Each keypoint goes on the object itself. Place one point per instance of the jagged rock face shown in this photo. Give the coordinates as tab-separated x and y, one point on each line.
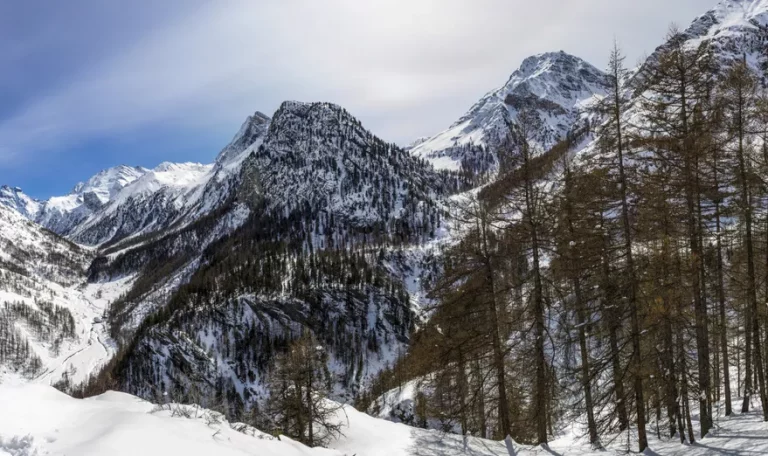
735	29
317	155
92	201
62	214
324	194
253	129
558	86
14	198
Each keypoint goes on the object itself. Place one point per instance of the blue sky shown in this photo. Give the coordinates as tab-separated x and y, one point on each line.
89	84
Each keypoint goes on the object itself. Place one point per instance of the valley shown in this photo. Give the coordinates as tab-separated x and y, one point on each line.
578	265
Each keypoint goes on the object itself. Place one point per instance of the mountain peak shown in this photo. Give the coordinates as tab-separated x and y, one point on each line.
555	84
302	108
107	183
15	198
252	130
545	60
729	17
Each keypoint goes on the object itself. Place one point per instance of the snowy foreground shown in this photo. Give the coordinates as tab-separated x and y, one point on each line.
39	420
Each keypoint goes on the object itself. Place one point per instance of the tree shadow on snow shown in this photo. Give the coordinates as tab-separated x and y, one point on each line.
435	443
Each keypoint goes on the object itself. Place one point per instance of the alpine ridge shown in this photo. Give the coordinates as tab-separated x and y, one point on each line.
465	283
559	86
326	201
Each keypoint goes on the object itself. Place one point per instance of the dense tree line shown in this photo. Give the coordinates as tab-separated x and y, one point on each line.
48	323
288	271
624	287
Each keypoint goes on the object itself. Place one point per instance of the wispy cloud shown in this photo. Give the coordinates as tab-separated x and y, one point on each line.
408	68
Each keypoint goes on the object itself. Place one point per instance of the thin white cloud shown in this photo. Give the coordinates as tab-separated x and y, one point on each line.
407	68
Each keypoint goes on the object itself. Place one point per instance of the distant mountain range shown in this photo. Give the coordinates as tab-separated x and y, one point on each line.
304	220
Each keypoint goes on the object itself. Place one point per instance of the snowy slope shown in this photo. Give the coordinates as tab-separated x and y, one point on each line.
38	420
46	306
557	85
63	213
127	201
16	199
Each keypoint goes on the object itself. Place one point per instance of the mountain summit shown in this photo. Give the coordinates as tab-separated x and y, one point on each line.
556	84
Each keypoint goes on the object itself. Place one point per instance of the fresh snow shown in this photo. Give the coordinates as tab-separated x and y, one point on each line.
140	200
39	420
91	347
559	84
15	198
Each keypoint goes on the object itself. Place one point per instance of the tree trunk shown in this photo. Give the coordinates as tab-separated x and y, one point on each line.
752	320
505	427
540	330
612	315
632	301
721	307
582	315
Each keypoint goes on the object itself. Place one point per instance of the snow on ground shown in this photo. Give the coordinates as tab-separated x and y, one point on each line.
39	420
93	348
738	435
367	436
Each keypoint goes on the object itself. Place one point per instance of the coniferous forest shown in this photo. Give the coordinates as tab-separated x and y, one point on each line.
623	288
580	260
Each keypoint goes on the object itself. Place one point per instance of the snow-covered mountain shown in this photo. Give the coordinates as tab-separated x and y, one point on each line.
325	199
317	154
50	318
294	225
62	214
734	27
556	85
149	203
14	198
126	201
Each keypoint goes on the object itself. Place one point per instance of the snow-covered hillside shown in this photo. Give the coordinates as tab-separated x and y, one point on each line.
303	222
557	85
39	420
336	197
51	321
125	201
